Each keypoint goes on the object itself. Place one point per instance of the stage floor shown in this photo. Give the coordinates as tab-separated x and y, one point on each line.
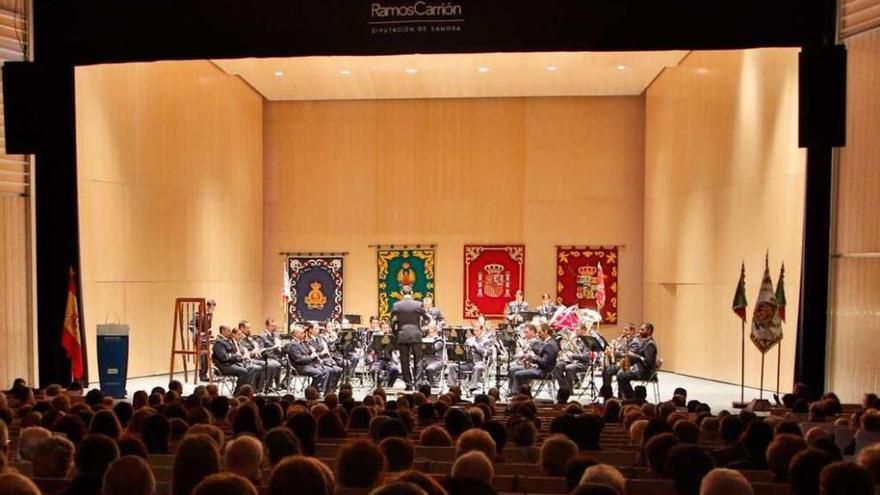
718	395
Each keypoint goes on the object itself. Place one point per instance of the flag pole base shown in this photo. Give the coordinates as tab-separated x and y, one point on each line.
759	405
739	405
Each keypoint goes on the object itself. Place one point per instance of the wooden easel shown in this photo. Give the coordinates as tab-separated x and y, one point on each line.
182	339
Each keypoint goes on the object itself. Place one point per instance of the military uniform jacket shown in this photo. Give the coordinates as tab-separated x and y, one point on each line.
299	353
480	348
407	318
546	311
435	314
514	307
547	355
224	354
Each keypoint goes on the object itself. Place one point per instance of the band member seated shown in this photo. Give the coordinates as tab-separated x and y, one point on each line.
194	325
432	362
541	366
305	359
346	354
270	369
248	362
271	343
229	362
319	342
480	345
433	312
616	352
546	308
514	309
386	362
574	357
407	318
529	350
643	361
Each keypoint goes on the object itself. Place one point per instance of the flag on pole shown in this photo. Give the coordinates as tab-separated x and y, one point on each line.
70	334
780	293
600	289
739	297
766	326
285	291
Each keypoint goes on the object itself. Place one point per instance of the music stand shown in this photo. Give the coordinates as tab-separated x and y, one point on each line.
384	342
428	349
592	343
528	316
353	319
457	335
458	353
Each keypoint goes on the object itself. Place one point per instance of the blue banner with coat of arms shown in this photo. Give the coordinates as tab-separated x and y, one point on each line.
315	284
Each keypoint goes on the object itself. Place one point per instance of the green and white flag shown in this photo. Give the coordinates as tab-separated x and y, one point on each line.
766	325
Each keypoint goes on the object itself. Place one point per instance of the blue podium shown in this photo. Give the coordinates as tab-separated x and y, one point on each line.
113	359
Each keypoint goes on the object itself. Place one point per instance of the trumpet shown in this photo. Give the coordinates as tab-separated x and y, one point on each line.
568	347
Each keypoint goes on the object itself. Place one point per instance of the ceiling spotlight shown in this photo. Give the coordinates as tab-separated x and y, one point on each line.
483	69
552	68
345	72
411	70
621	67
279	73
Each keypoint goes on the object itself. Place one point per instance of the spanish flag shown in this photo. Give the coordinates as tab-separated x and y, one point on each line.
70	334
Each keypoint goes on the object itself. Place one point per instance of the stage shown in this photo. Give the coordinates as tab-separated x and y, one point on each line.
718	395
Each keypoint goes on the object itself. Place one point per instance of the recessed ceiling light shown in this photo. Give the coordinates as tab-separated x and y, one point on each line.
552	68
621	67
484	69
411	70
345	72
279	73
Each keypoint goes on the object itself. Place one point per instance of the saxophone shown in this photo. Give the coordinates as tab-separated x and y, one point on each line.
624	363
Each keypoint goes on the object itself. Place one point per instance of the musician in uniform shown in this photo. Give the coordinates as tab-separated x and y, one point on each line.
319	342
530	348
619	346
432	362
574	358
433	312
407	318
305	359
546	309
480	345
271	342
643	361
514	308
248	361
229	362
385	362
545	362
270	369
194	325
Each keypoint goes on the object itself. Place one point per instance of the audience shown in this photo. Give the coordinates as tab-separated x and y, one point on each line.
869	457
225	484
804	469
845	478
244	457
604	474
556	452
361	465
129	475
53	458
781	451
16	484
196	458
688	464
93	457
721	481
307	474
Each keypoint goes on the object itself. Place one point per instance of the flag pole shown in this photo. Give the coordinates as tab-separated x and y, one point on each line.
742	367
761	396
778	365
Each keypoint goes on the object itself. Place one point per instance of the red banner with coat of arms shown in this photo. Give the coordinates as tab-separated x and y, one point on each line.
492	275
587	276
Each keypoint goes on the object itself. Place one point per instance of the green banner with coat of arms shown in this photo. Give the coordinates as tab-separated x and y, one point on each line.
403	266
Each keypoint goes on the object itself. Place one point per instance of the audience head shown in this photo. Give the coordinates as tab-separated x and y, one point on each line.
225	484
53	458
780	453
423	481
244	456
156	434
478	440
280	443
523	433
869	457
15	484
132	445
731	429
588	431
688	464
129	475
307	474
722	481
28	440
456	422
657	452
95	454
605	474
474	465
556	452
196	458
361	464
804	469
304	426
687	431
435	436
845	478
574	471
399	453
498	433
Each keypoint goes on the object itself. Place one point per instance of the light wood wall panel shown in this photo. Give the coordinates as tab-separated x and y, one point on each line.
724	182
854	342
171	199
16	339
340	176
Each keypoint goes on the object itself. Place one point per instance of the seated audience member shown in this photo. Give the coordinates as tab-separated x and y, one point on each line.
721	481
360	464
710	429
636	431
588	432
304	426
472	473
657	452
73	427
845	478
456	422
435	436
574	471
244	457
225	484
280	442
105	423
780	453
330	426
804	469
688	464
399	453
556	452
359	418
423	481
393	427
869	457
129	475
604	474
247	420
123	411
156	434
731	429
212	431
398	488
4	439
53	458
687	432
307	474
788	427
196	458
132	445
28	439
95	454
16	484
475	439
499	435
594	489
758	436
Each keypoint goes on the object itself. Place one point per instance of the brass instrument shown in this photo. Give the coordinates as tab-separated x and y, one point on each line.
624	363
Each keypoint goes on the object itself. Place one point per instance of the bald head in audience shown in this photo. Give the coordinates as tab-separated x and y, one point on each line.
129	475
845	478
474	465
722	481
53	458
28	440
605	474
244	456
869	458
225	484
16	484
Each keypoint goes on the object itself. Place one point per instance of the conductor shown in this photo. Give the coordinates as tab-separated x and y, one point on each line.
407	318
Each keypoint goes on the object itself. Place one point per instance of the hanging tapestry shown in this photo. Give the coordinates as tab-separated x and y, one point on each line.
587	276
492	275
403	266
315	284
